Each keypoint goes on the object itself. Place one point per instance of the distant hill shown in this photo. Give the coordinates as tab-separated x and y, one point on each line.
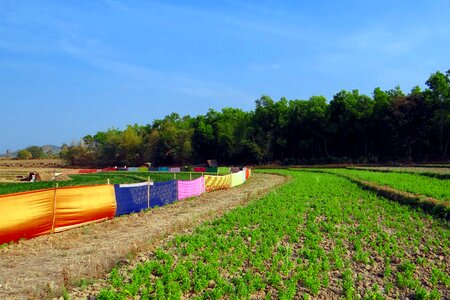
50	149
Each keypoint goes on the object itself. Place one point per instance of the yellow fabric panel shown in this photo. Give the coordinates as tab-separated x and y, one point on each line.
76	206
25	215
213	183
237	179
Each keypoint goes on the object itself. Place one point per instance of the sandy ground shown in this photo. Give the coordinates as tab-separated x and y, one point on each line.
40	267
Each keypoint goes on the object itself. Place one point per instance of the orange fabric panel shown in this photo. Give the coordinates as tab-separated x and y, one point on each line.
76	206
26	215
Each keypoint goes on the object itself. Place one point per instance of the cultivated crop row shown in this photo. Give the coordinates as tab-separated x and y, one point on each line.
319	235
413	183
442	172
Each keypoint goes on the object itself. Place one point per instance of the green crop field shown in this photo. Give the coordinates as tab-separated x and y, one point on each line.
412	183
319	235
442	172
92	179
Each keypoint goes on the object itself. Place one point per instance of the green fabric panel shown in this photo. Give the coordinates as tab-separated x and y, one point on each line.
224	170
211	170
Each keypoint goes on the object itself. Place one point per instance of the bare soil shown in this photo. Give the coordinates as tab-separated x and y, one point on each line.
10	168
41	267
6	163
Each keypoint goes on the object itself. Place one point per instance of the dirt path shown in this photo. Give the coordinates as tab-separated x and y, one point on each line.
40	267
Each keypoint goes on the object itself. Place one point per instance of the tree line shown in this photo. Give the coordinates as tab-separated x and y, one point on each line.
387	126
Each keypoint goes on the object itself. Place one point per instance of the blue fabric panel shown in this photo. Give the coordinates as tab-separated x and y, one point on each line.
153	169
164	169
131	197
163	193
132	169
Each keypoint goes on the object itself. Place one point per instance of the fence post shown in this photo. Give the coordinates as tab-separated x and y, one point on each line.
190	175
107	181
148	192
174	175
54	210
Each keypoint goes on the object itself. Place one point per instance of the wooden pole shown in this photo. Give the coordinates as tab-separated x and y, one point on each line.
54	210
148	192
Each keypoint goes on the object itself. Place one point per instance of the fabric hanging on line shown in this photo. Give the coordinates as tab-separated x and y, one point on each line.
224	170
213	183
153	169
131	197
163	169
235	169
190	188
26	215
211	169
132	169
87	171
109	169
200	169
142	169
237	179
76	206
163	193
174	170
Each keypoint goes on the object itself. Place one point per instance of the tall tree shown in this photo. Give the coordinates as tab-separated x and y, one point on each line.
439	97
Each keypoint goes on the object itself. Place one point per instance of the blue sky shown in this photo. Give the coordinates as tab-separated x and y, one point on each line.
71	68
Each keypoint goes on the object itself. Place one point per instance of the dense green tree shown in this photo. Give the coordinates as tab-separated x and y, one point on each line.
387	126
24	154
439	97
36	152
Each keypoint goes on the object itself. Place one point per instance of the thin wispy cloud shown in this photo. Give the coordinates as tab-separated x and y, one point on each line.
165	56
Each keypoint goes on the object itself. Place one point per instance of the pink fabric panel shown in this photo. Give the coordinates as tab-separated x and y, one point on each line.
190	188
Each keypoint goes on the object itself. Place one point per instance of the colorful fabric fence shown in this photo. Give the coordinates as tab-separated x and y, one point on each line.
29	214
109	169
163	193
190	188
223	170
87	171
200	169
26	215
132	169
213	183
76	206
163	169
143	169
237	179
174	170
132	197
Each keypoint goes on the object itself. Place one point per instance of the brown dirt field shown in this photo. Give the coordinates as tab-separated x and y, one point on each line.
41	267
10	168
6	163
